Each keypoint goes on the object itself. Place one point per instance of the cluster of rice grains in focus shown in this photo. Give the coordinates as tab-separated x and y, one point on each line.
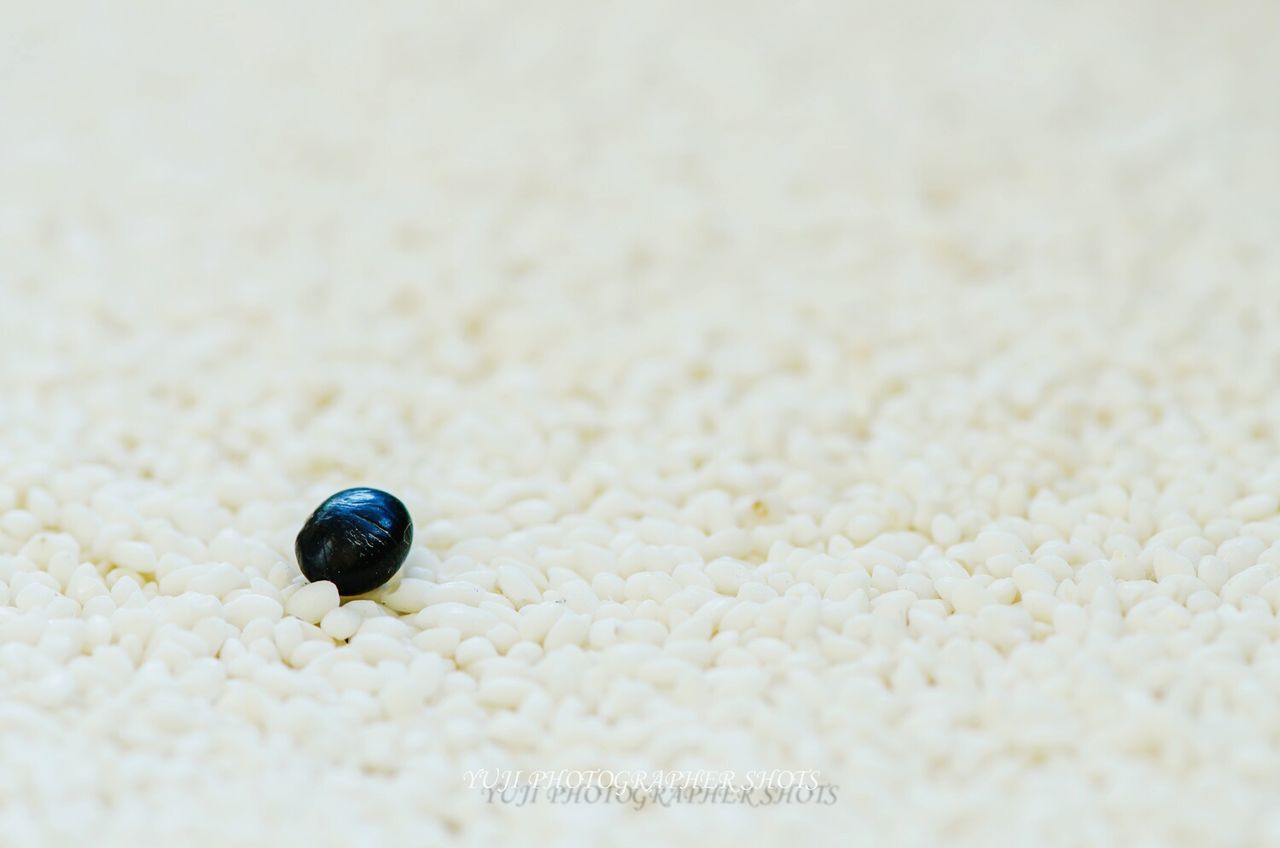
887	394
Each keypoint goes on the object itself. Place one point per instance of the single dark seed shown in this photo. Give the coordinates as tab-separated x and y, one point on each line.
358	539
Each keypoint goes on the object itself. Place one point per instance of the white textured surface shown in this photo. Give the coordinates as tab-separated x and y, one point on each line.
888	390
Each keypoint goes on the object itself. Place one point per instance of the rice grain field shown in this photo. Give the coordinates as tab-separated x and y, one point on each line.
879	392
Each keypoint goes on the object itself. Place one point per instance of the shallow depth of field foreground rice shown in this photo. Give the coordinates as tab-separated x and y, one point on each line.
882	390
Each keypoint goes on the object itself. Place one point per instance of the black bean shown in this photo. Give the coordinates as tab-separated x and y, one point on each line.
358	539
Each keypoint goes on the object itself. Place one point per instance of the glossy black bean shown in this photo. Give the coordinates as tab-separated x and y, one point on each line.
358	538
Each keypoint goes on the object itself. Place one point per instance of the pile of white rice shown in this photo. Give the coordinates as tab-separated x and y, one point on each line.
887	391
